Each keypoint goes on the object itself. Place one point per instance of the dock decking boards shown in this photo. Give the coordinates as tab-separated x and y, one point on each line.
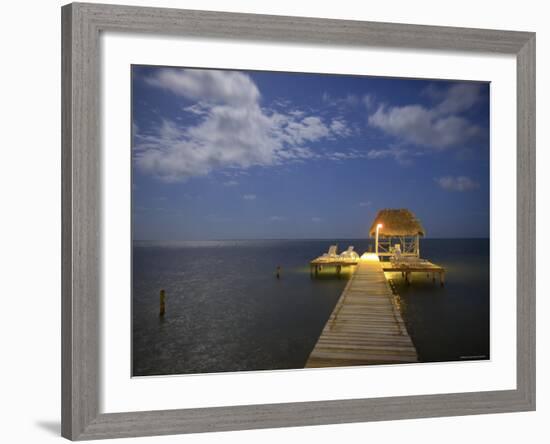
365	326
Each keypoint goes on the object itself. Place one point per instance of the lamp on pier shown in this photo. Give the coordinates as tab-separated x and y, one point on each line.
376	238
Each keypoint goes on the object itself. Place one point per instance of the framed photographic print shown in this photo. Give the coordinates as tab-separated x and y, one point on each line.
278	221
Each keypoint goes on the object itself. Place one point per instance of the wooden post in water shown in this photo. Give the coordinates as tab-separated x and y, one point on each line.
162	303
278	274
442	278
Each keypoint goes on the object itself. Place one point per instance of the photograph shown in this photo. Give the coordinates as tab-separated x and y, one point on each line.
286	221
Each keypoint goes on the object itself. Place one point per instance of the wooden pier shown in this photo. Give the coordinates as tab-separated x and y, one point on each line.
422	267
365	326
406	268
316	265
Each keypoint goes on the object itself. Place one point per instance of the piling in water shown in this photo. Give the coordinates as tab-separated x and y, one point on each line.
162	303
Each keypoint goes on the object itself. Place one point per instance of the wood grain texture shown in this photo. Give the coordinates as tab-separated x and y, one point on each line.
526	221
66	224
165	422
81	235
81	222
365	326
258	27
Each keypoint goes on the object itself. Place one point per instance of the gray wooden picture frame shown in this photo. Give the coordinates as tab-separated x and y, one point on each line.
81	172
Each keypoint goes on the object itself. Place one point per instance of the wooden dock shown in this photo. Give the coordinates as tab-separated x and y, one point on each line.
365	326
422	267
406	268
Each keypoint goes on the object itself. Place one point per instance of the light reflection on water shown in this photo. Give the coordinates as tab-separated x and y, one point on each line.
226	311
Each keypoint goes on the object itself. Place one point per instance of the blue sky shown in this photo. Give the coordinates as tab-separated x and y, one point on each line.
262	155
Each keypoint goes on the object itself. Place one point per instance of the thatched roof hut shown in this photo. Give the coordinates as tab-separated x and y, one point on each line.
397	222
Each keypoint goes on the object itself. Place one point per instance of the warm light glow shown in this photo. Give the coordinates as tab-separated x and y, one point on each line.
376	239
369	257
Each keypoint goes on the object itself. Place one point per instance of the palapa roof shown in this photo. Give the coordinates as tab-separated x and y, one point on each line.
397	222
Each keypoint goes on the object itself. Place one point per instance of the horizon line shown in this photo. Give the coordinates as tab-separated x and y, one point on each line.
296	239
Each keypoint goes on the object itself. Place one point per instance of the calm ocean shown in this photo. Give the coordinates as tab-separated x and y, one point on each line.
226	311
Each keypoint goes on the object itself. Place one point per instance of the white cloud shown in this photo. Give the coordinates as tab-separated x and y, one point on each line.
368	101
365	204
198	108
233	131
231	183
296	113
338	155
346	101
420	126
277	218
308	129
400	155
437	128
380	154
459	98
349	154
207	85
249	196
340	128
316	219
459	183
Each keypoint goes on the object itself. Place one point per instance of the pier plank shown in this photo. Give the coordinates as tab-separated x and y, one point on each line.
365	326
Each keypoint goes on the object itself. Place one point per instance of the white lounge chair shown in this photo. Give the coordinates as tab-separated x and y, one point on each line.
398	258
332	252
349	254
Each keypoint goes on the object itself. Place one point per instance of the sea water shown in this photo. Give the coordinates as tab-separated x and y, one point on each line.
227	311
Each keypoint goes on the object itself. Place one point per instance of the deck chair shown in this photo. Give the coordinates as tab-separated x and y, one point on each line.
349	253
332	252
398	258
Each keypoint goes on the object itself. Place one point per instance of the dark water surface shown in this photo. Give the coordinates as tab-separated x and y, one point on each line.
226	311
